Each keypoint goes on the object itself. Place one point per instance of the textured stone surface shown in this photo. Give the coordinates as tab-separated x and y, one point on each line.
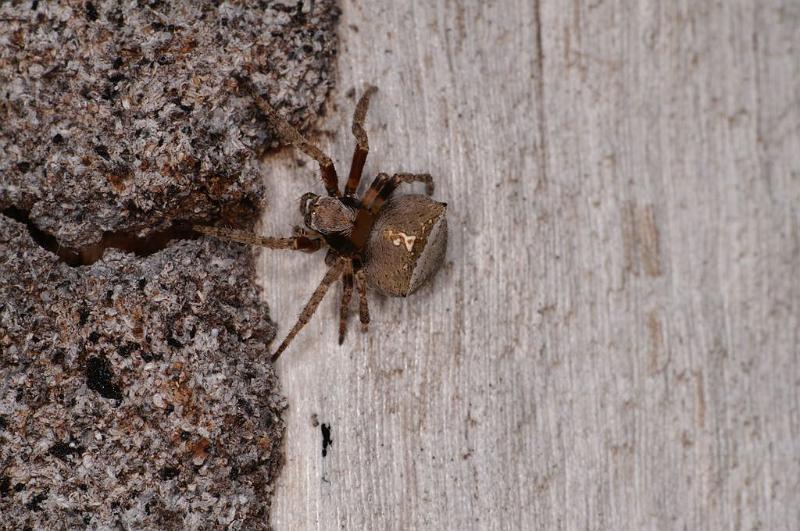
134	391
121	117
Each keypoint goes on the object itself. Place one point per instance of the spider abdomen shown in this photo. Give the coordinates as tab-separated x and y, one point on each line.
406	245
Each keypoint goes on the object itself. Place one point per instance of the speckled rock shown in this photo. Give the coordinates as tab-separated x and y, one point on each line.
135	387
122	116
134	392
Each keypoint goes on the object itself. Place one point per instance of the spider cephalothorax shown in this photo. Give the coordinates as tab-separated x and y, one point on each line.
391	243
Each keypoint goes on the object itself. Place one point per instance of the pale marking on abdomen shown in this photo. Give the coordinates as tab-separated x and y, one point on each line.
401	238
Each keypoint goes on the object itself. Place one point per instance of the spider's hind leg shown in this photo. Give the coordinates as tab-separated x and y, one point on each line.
347	294
362	142
363	307
299	242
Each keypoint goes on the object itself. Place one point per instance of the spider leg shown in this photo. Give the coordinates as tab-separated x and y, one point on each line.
347	294
362	143
296	243
291	135
383	186
378	192
416	178
363	309
330	277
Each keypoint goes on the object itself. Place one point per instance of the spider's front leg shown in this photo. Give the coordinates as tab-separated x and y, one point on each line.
291	135
362	143
299	242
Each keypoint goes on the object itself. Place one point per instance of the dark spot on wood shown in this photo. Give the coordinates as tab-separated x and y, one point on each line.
327	440
100	378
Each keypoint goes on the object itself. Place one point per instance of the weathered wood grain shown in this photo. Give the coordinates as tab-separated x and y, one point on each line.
614	341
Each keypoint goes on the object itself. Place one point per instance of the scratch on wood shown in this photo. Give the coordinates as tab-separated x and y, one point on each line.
701	398
640	240
656	342
541	143
647	232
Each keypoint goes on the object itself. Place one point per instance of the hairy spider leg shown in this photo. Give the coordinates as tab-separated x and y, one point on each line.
416	178
291	135
296	243
362	142
330	277
347	294
363	308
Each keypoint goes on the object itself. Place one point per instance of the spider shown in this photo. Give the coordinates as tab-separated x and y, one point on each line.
393	244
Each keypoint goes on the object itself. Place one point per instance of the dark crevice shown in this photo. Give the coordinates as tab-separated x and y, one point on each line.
89	254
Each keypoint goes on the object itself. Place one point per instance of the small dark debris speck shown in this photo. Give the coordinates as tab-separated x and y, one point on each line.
63	450
126	348
168	472
5	486
91	11
58	139
171	341
102	151
245	405
94	337
58	356
83	315
99	378
36	501
327	440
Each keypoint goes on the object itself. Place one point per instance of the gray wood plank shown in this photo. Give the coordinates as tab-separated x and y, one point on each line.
613	342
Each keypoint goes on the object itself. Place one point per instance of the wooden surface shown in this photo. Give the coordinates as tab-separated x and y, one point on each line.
613	343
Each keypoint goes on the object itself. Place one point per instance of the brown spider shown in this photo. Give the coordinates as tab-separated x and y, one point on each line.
391	243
